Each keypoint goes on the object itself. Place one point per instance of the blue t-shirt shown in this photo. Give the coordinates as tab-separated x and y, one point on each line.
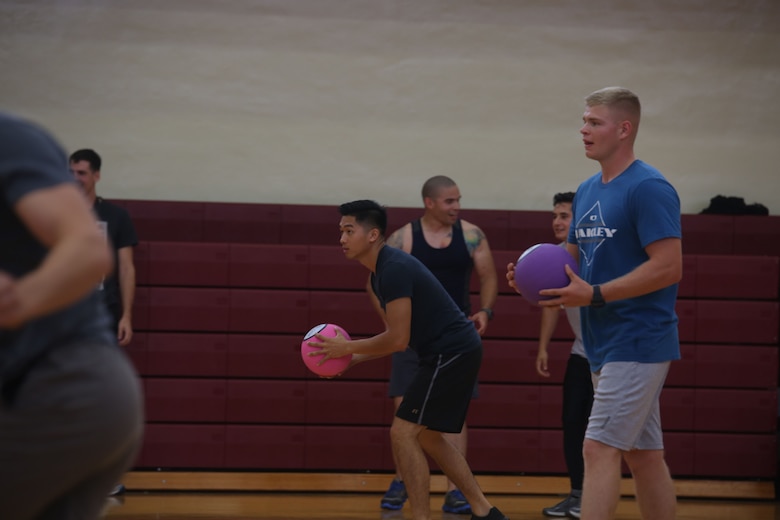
612	225
438	325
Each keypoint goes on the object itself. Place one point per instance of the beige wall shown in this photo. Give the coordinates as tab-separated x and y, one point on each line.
322	101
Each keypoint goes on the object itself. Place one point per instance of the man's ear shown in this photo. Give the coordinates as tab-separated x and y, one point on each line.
625	128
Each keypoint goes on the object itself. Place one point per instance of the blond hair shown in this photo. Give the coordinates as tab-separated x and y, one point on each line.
617	98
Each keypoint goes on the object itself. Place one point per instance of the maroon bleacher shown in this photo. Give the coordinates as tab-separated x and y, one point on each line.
264	445
186	354
182	400
226	291
183	446
259	401
180	263
348	447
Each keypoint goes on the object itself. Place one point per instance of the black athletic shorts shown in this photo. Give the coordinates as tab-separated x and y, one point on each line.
404	366
439	395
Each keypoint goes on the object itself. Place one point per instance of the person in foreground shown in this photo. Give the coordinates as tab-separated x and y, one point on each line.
450	248
70	403
577	384
627	237
420	314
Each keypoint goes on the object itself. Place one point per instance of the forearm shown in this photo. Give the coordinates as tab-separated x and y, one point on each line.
547	326
360	358
488	291
73	268
381	345
127	289
648	277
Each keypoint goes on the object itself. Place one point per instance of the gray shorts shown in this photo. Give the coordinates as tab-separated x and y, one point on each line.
626	413
70	432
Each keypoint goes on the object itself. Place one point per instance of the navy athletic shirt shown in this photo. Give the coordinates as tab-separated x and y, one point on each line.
438	325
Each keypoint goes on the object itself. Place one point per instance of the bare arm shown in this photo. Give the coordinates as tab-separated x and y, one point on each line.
395	338
573	251
127	291
547	327
478	246
78	257
401	238
662	269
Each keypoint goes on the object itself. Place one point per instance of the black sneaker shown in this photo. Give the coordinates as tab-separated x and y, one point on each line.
395	497
494	514
564	507
455	502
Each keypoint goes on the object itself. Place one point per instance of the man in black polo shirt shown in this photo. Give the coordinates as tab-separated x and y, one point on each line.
118	287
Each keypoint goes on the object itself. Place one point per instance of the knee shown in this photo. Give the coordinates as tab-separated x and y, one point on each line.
644	460
589	449
401	431
593	451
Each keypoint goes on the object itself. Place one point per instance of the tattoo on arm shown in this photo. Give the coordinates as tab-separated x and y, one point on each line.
474	238
396	240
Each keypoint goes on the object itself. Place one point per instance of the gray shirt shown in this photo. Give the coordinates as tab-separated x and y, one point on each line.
31	160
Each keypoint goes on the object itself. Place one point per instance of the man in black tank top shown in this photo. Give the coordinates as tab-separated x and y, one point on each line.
451	249
452	265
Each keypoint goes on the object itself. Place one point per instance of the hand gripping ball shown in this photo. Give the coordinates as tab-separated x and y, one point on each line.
331	367
542	267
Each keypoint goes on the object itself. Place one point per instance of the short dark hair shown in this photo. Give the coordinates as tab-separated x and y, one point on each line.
433	185
89	155
566	196
367	213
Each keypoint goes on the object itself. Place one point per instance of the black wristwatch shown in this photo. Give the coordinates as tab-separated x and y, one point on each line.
598	299
487	311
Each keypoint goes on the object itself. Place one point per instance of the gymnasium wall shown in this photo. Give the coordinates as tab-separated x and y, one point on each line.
320	101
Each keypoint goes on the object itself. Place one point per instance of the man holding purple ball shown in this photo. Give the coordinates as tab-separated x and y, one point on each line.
626	234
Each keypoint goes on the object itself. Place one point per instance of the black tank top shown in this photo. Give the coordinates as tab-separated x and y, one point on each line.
452	265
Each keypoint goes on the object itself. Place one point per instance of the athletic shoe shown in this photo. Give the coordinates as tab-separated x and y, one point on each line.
564	507
494	514
455	502
395	497
574	512
119	489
